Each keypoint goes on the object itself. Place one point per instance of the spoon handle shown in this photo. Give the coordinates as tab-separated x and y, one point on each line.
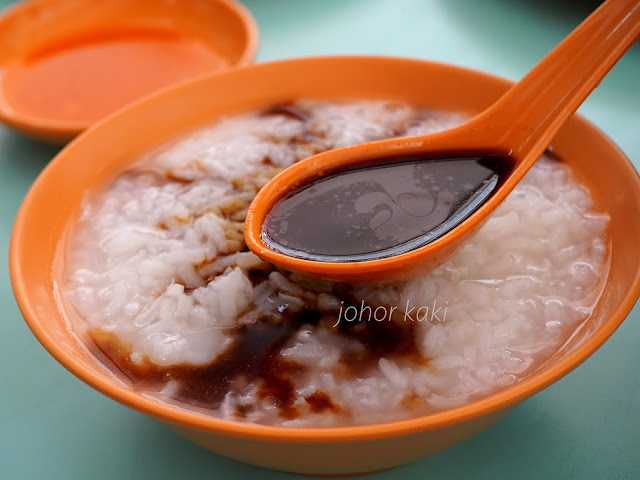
527	117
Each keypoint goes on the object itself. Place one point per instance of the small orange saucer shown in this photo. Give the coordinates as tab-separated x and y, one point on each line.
65	64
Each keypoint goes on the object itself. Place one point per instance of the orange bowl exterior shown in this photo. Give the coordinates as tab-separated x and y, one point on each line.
30	26
91	160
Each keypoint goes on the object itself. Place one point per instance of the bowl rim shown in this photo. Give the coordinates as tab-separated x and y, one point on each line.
377	431
61	131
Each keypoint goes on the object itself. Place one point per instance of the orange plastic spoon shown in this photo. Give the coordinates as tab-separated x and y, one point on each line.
519	126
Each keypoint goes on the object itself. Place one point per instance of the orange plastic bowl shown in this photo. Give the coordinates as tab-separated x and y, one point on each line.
96	156
65	64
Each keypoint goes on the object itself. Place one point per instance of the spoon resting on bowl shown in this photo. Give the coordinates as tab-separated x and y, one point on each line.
426	195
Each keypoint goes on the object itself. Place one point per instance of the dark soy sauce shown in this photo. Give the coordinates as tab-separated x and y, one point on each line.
254	356
382	210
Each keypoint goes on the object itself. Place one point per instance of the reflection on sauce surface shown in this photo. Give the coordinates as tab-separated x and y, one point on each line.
381	210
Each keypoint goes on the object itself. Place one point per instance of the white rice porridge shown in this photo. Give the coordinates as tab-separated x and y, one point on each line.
176	305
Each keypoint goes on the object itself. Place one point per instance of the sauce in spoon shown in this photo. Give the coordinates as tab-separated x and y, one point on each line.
380	210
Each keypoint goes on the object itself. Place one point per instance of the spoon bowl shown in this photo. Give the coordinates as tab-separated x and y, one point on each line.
519	126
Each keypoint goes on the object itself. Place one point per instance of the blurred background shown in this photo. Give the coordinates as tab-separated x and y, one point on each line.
53	426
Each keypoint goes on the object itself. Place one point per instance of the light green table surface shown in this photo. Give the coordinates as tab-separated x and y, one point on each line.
586	426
